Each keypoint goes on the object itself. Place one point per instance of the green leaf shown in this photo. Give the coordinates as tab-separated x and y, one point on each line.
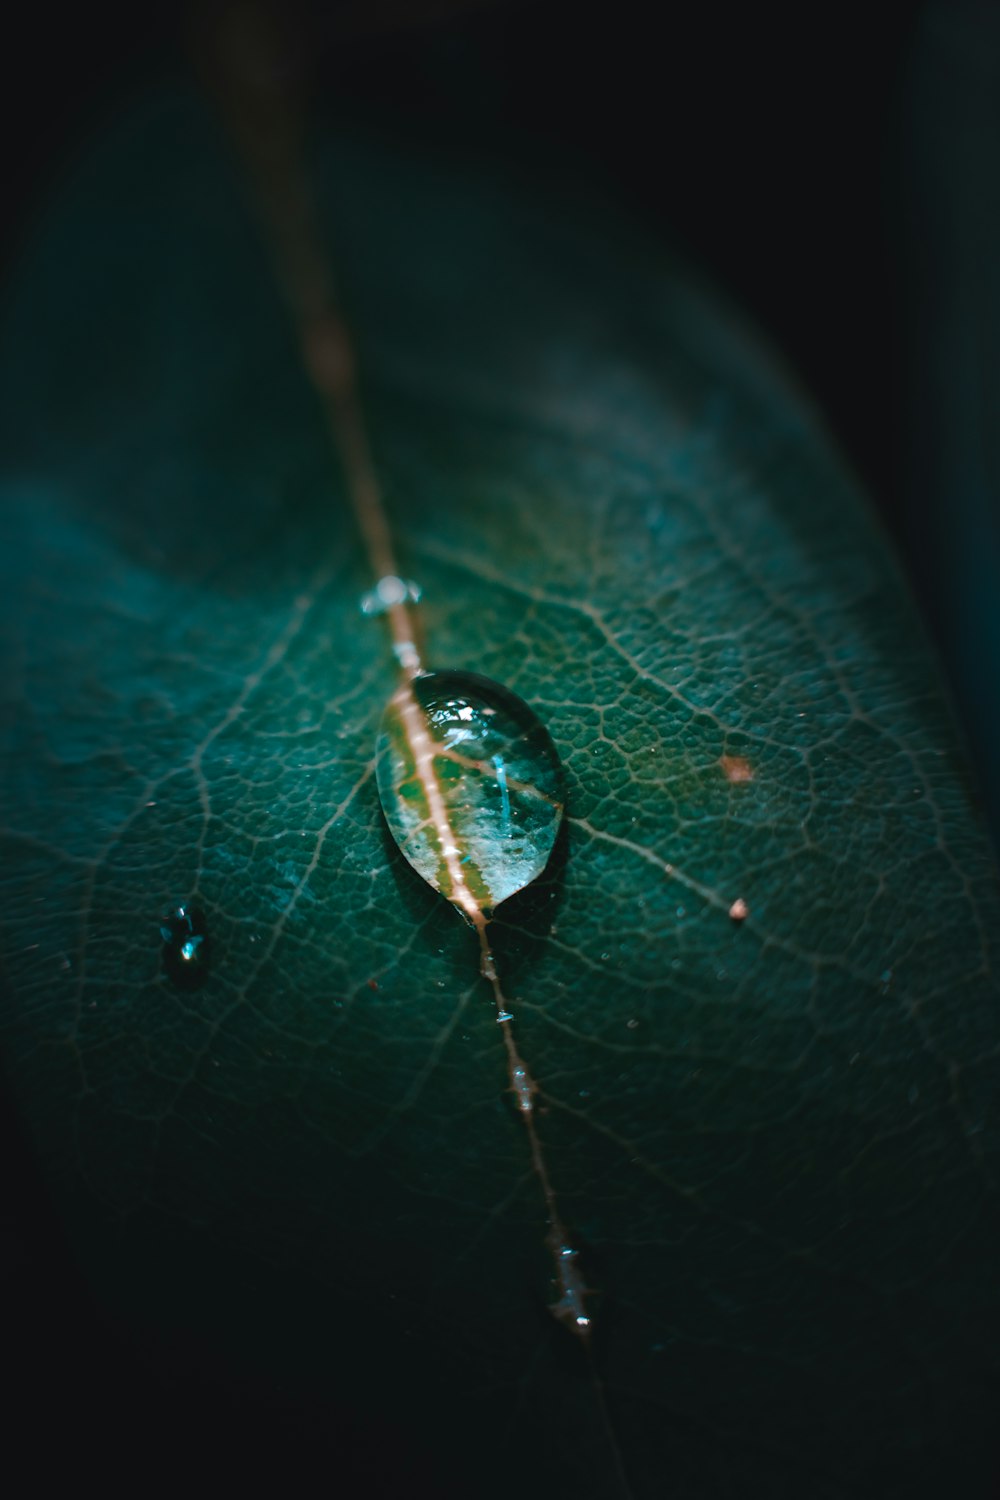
776	1137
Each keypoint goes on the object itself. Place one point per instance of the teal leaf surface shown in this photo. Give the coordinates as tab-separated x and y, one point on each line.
775	1137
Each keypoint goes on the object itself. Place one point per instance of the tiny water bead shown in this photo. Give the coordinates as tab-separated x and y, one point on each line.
186	946
572	1293
487	799
388	591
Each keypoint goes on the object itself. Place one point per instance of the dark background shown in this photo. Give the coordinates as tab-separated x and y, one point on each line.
765	142
834	168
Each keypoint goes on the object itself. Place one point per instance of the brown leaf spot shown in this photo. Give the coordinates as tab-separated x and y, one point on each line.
736	768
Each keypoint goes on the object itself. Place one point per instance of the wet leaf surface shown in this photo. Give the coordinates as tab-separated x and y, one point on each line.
776	1137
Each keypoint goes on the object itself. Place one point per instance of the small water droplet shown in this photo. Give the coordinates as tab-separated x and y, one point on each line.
186	946
681	911
471	786
632	1024
523	1088
388	591
407	655
572	1292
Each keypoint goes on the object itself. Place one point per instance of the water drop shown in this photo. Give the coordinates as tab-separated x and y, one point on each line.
471	786
569	1306
389	591
186	946
523	1087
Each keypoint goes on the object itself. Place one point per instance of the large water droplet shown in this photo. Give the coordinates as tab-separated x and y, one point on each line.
185	946
471	786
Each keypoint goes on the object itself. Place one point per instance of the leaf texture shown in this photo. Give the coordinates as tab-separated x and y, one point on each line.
776	1137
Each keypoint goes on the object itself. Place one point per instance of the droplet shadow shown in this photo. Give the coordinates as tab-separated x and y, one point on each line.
522	922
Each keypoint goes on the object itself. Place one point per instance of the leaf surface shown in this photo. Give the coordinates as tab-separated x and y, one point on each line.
776	1137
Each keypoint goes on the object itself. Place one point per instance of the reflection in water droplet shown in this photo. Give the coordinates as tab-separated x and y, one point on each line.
494	775
186	946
